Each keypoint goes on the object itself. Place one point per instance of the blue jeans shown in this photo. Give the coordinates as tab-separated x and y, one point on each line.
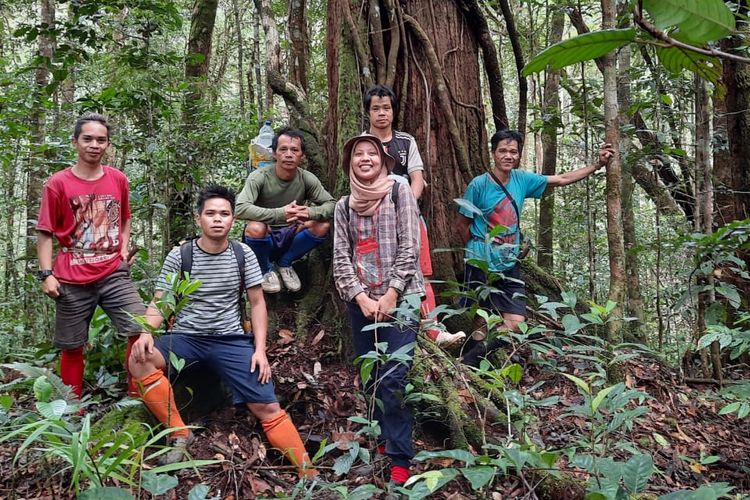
389	380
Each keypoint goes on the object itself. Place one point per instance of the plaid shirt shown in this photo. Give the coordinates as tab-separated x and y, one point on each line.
397	237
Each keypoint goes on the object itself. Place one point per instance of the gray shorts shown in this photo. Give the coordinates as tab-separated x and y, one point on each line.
76	304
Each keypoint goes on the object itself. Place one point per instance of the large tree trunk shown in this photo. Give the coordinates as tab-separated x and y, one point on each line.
551	112
180	214
617	281
443	109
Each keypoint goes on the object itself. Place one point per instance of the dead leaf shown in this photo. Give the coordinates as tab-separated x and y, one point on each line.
697	468
629	381
317	368
343	439
318	337
285	337
234	441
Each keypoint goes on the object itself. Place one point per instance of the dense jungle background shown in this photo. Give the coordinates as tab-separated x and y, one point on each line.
630	379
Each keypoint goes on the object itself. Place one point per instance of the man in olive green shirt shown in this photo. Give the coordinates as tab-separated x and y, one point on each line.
288	212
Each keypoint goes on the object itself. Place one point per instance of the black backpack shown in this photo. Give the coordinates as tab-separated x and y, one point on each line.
186	266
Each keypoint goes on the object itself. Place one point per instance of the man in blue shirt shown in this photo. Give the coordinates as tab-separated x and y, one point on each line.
496	199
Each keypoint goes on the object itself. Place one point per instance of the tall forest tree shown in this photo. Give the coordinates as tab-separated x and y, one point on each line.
197	64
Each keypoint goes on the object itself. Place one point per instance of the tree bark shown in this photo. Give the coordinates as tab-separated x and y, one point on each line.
299	56
551	114
491	62
240	56
198	60
518	58
37	171
617	281
635	308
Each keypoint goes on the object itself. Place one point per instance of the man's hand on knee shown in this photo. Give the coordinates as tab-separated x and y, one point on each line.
142	348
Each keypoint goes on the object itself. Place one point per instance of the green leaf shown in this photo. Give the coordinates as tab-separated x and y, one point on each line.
708	492
700	21
461	455
744	410
343	464
731	293
108	492
730	408
468	206
569	299
571	324
600	397
579	382
478	476
52	410
434	479
364	492
198	492
176	362
636	472
660	440
157	484
42	389
676	59
581	48
514	372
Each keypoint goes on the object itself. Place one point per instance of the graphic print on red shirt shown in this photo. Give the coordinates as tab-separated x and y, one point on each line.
97	221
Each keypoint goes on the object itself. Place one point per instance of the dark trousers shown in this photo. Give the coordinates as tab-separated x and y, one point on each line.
389	381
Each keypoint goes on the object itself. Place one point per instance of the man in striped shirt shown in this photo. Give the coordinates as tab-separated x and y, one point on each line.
209	329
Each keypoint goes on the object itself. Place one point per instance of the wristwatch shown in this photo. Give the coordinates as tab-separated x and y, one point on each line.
43	274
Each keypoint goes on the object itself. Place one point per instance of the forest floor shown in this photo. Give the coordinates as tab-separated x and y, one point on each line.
690	442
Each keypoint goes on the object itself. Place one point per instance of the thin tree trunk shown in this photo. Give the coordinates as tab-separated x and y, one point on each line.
635	307
299	56
240	56
491	62
273	48
545	235
180	213
518	58
617	281
334	23
37	171
256	64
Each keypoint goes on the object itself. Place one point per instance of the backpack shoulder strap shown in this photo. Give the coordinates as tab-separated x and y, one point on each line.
346	207
186	258
394	194
239	254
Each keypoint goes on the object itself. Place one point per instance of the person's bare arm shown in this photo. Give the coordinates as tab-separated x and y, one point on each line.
606	152
259	318
416	182
463	224
50	286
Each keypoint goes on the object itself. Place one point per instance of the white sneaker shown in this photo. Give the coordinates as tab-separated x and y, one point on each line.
271	282
290	279
447	339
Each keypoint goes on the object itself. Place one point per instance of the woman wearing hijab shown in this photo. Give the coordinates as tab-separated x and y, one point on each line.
375	266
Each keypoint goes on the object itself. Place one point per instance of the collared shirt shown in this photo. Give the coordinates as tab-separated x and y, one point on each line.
397	238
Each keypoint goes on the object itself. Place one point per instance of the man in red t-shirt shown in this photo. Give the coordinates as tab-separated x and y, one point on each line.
86	208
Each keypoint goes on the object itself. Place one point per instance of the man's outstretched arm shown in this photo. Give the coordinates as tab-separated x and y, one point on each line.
606	152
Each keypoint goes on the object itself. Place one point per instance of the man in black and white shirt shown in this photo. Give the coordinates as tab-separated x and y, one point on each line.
380	104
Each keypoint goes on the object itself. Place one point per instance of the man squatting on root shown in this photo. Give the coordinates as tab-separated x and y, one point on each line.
209	329
281	227
86	208
499	194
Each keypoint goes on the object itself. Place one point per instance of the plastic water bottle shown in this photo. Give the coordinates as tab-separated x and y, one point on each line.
260	147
